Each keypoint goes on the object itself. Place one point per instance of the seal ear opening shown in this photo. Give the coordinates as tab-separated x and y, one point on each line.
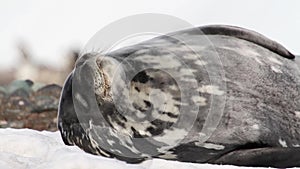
66	111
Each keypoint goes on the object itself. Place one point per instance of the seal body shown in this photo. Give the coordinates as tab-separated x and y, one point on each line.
214	94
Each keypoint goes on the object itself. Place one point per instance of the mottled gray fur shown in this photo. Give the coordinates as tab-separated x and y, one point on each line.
261	84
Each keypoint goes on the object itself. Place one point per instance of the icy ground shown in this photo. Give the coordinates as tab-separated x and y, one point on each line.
30	149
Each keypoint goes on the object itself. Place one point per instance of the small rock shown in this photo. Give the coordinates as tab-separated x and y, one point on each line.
24	104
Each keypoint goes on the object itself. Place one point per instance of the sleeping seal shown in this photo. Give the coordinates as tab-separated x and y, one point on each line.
214	94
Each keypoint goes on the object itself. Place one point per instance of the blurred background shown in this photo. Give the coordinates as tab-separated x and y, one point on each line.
40	42
41	36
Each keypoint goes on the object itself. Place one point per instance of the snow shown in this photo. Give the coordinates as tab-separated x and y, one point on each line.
31	149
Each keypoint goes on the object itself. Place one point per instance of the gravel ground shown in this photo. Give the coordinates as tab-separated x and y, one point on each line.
24	104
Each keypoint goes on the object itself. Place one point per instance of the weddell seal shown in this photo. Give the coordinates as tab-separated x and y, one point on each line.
214	94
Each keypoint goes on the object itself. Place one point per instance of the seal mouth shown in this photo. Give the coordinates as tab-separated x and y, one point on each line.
102	82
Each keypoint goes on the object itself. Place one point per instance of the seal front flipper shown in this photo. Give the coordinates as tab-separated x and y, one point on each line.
68	123
262	157
66	111
247	35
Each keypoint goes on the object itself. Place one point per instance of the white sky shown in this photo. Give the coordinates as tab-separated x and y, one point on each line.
51	27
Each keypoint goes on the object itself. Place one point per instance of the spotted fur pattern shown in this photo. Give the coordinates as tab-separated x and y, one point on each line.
140	111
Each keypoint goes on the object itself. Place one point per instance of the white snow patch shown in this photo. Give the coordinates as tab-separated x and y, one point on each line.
30	149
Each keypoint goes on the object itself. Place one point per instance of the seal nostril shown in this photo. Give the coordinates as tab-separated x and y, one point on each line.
137	89
148	104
